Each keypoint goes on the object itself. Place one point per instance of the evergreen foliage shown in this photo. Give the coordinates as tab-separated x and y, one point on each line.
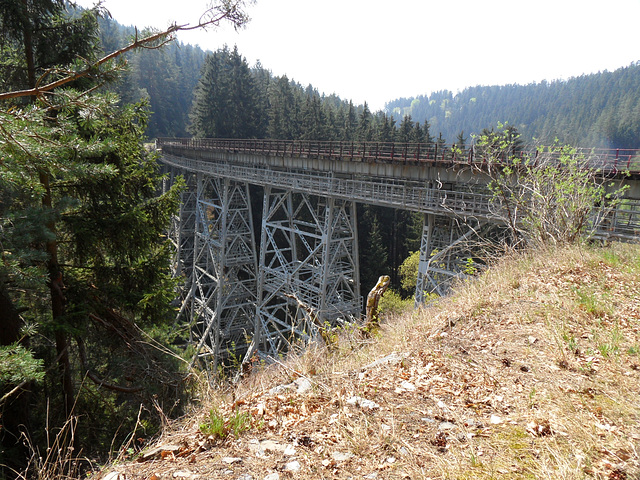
95	268
227	99
85	288
595	110
166	78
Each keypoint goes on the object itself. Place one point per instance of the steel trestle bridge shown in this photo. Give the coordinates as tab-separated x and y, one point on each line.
244	295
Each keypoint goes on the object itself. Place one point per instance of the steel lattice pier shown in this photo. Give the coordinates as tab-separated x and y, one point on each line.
240	300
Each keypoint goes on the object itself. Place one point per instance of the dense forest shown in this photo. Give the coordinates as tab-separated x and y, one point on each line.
165	77
596	110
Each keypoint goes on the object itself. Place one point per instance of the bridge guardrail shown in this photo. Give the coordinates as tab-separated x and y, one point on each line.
610	161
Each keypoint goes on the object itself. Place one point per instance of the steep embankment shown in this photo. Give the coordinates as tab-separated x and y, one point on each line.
530	371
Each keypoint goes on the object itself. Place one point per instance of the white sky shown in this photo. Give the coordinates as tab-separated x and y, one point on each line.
377	51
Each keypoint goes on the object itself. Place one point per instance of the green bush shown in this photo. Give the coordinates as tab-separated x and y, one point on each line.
392	303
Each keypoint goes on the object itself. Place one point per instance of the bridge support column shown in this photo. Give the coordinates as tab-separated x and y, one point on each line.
224	271
446	253
308	273
181	234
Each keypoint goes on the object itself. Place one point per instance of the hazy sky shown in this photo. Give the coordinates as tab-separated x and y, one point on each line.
375	51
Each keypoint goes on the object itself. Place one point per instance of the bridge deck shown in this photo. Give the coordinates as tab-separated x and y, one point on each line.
609	161
426	179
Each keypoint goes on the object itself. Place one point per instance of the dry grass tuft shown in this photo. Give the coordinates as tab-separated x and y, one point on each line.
530	371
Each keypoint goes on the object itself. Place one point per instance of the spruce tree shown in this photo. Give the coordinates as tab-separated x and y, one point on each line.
282	111
351	124
404	134
373	259
386	130
365	128
227	100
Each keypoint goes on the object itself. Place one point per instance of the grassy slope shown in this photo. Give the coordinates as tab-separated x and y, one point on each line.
530	371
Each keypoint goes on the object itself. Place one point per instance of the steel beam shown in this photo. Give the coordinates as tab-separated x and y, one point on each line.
223	289
181	235
446	253
308	271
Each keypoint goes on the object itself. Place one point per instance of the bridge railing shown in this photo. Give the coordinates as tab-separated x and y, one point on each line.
607	160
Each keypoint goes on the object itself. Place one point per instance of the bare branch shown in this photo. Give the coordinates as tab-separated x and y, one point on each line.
229	10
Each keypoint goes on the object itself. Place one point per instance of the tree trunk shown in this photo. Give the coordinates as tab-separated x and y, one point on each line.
56	287
28	50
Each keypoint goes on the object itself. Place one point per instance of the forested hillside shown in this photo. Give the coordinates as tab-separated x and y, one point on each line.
599	110
166	77
89	348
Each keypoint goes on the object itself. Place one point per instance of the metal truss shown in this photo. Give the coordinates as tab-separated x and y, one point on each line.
308	274
181	234
223	291
446	253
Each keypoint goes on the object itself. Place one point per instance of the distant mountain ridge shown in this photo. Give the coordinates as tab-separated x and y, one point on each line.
598	110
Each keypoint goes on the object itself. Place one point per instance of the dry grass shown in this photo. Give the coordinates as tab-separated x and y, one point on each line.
530	371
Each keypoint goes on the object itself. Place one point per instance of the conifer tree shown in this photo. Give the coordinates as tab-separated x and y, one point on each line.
417	134
227	100
461	141
365	120
351	124
426	133
262	80
373	259
386	130
314	121
405	130
282	111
